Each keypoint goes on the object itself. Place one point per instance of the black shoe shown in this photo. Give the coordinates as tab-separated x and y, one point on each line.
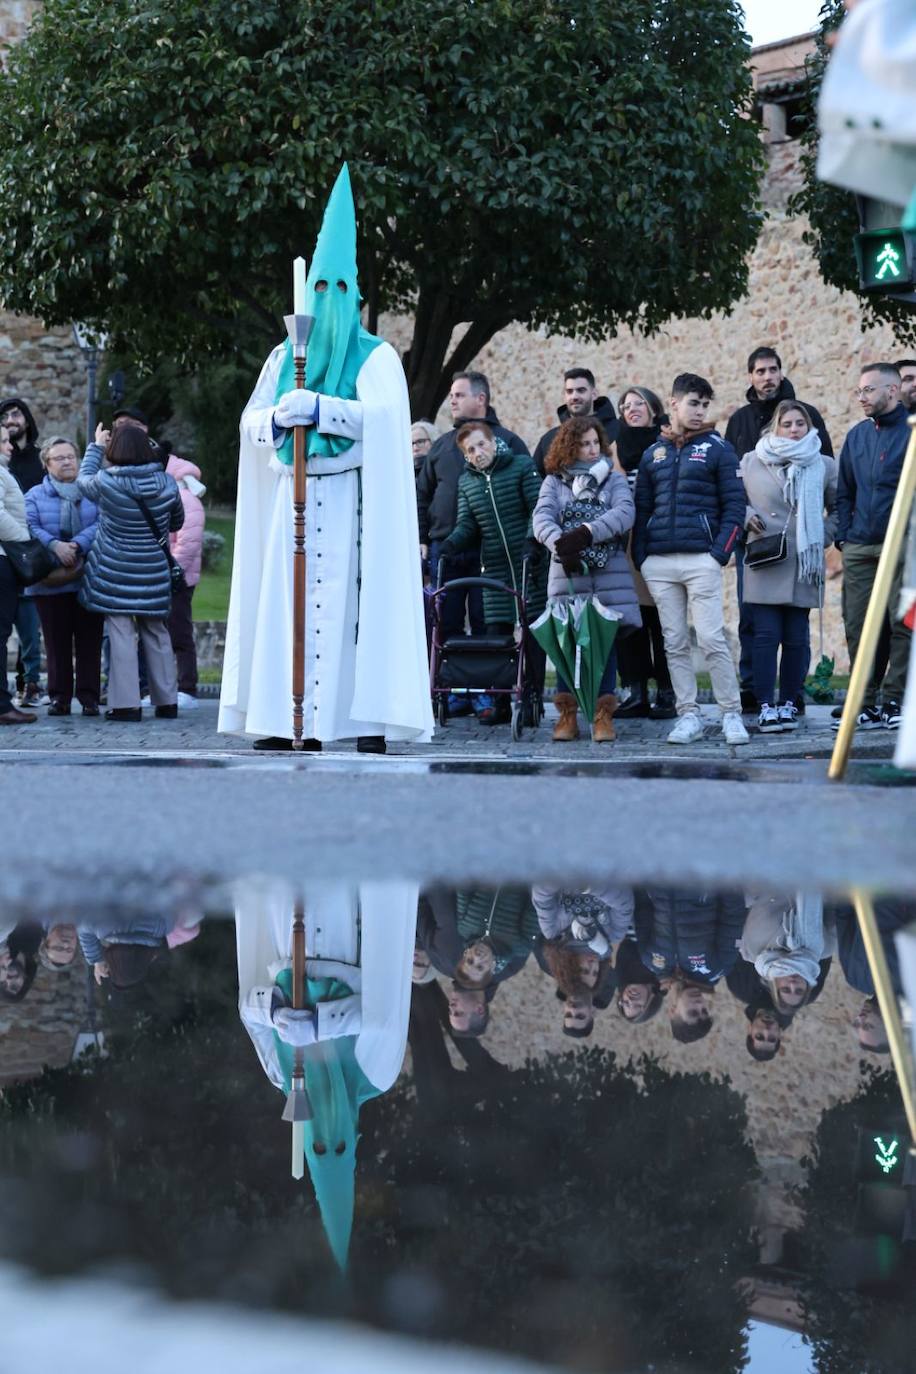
167	712
836	712
277	744
665	707
124	713
749	703
890	715
636	704
869	718
799	704
371	744
91	711
59	708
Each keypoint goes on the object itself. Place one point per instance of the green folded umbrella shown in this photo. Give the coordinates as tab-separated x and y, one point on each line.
577	633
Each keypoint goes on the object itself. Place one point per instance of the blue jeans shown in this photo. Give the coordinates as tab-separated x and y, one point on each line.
745	626
775	626
608	680
29	638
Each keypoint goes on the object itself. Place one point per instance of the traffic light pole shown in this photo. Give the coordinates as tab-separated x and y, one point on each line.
887	1004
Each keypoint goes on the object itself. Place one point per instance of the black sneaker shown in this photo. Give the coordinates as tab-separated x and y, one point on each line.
836	712
890	715
749	703
869	718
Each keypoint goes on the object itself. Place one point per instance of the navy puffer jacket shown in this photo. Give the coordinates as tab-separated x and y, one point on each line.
126	570
694	932
689	498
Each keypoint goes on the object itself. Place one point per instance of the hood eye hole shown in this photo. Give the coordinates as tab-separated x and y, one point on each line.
342	286
321	286
339	1149
319	1148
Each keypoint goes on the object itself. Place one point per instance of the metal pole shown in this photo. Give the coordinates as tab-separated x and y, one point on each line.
92	361
887	1003
877	607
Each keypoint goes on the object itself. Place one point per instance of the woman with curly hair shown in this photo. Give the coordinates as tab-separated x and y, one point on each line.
583	514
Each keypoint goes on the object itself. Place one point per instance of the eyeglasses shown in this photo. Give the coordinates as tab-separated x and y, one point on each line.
863	391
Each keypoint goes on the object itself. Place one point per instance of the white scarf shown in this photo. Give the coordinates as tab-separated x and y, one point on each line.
798	466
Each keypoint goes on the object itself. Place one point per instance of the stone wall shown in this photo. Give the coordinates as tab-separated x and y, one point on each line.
41	1030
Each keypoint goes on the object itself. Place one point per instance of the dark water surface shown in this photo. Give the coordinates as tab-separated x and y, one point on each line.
603	1128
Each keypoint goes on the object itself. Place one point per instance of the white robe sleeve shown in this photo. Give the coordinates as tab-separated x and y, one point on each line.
344	418
341	1017
257	417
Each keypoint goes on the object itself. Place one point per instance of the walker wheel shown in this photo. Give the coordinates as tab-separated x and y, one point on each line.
442	710
516	721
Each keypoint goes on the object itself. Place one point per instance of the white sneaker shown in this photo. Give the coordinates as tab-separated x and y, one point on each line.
769	722
788	716
186	701
688	729
146	701
733	729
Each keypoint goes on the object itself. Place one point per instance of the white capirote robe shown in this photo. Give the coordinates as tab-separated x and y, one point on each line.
360	933
366	665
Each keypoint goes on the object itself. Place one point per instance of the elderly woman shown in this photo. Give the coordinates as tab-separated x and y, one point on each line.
65	521
128	578
13	530
584	512
422	437
791	496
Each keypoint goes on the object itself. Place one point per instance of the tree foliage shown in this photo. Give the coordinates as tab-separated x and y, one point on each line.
831	210
572	166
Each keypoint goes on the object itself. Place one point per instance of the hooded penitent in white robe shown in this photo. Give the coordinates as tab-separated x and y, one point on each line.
366	666
362	934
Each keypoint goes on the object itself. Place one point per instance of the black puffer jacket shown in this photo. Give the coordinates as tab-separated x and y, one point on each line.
25	464
437	482
694	932
603	411
748	423
871	461
689	498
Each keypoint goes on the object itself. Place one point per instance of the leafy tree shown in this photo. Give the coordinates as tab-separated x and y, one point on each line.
831	210
571	166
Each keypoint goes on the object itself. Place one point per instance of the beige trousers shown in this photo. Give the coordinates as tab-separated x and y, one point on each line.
123	670
682	581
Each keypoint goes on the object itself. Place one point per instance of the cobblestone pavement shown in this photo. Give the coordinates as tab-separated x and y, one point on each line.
195	731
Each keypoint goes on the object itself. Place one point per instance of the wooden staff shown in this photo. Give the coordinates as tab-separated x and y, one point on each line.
298	1108
863	667
299	497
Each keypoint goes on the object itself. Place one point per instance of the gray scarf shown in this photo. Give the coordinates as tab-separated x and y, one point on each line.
797	464
70	518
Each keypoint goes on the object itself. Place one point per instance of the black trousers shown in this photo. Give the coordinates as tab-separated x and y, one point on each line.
70	630
9	600
641	655
181	633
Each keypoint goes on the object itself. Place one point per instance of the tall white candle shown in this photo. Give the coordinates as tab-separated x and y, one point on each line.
298	286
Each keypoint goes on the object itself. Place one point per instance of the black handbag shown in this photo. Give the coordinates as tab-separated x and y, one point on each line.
176	571
772	548
30	561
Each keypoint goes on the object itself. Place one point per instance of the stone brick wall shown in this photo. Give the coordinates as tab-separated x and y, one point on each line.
41	1030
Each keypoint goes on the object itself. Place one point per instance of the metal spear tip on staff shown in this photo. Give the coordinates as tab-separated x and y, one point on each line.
298	1108
299	327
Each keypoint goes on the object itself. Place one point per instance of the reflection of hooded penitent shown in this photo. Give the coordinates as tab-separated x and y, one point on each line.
365	641
359	951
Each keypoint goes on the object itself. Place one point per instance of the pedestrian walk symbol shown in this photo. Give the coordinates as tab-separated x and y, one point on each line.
886	1156
887	261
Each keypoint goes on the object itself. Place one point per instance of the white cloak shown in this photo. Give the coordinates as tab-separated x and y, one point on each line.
363	934
360	574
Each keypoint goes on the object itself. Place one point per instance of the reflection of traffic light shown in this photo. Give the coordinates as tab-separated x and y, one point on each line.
873	1255
885	253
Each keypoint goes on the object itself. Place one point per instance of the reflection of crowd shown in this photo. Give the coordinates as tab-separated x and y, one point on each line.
651	948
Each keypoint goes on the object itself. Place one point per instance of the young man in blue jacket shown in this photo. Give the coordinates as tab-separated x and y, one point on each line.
690	509
871	462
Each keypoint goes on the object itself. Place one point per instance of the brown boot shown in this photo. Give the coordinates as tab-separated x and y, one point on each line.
603	731
567	727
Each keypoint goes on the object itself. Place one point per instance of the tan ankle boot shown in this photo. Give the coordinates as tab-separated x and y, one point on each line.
567	727
603	731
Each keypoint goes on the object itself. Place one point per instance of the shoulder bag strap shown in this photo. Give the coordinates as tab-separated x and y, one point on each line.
161	538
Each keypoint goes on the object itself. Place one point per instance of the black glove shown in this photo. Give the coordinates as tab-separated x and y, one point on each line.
572	566
534	552
574	541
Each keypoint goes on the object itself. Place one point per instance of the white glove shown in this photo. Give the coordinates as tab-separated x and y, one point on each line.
296	408
295	1027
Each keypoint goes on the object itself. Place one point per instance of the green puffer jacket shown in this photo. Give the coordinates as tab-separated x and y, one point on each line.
505	919
494	512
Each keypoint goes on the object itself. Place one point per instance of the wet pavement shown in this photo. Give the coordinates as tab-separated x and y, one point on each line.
588	1126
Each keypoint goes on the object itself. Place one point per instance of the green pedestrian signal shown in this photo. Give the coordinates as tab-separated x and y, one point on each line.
887	260
886	1156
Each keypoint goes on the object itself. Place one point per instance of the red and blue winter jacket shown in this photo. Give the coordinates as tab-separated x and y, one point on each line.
689	498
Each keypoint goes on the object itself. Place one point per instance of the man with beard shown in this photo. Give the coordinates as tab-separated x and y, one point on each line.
580	397
767	388
907	369
25	465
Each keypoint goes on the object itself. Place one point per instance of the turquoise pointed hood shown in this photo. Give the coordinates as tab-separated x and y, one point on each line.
338	345
337	1087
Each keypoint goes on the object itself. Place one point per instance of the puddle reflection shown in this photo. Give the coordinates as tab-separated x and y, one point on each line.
610	1127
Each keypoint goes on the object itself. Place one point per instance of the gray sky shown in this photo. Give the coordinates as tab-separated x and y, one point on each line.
770	20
